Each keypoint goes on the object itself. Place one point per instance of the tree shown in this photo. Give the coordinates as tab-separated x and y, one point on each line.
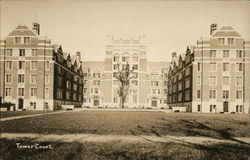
124	76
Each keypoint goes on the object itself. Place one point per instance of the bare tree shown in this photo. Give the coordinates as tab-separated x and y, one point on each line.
124	77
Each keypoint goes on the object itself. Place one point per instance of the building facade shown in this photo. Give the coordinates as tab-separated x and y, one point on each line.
212	77
148	83
33	72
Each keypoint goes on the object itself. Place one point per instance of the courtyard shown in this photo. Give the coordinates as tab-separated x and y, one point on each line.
128	135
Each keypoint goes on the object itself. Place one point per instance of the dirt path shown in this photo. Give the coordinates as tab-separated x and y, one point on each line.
121	138
26	116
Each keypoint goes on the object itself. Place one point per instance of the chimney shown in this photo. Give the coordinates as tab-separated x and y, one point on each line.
36	28
78	56
174	56
213	27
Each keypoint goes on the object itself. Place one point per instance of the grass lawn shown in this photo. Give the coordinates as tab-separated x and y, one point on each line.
117	150
222	126
19	113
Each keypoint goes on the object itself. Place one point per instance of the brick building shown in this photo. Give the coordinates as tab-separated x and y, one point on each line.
148	85
34	72
212	77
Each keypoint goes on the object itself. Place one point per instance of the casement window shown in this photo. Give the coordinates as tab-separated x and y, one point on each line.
8	91
8	78
17	40
212	53
33	65
225	67
198	66
198	80
97	82
239	81
225	80
213	66
187	95
135	66
239	67
21	64
154	83
212	94
26	40
116	58
21	92
34	52
33	92
33	78
239	53
47	65
225	53
239	94
198	94
135	58
225	94
213	80
47	92
8	64
20	78
230	41
221	41
9	52
21	52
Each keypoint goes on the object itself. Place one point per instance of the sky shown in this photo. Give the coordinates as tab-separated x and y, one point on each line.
169	26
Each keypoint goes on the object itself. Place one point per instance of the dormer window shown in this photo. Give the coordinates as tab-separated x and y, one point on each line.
221	40
26	40
18	40
230	40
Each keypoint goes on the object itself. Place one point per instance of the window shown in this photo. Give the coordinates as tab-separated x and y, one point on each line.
198	80
187	83
187	95
135	58
239	81
135	66
21	64
68	84
33	78
225	94
47	65
33	64
21	52
33	92
187	71
26	40
20	78
230	40
135	75
239	67
238	94
199	66
159	91
213	66
225	80
221	40
96	90
179	97
165	91
20	91
198	94
225	67
165	83
8	78
9	52
18	40
198	108
97	75
59	94
34	52
85	90
8	65
212	94
46	79
47	92
179	86
115	66
225	53
125	59
116	59
212	80
154	83
96	82
8	91
212	53
239	54
239	108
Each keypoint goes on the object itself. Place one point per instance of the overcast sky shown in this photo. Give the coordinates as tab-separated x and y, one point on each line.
83	25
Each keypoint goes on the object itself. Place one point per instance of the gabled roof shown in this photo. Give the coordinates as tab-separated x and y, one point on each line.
22	31
226	31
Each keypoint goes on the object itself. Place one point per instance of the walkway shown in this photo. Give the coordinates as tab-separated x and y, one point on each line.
121	138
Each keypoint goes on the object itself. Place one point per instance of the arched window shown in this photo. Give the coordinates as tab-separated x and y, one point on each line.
125	57
116	58
135	58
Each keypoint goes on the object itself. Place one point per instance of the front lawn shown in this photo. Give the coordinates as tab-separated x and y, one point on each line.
133	123
6	114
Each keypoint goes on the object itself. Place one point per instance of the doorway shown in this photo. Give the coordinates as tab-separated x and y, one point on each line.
96	102
225	106
20	103
154	103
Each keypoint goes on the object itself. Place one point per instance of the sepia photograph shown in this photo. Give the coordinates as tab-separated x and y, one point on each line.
124	79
